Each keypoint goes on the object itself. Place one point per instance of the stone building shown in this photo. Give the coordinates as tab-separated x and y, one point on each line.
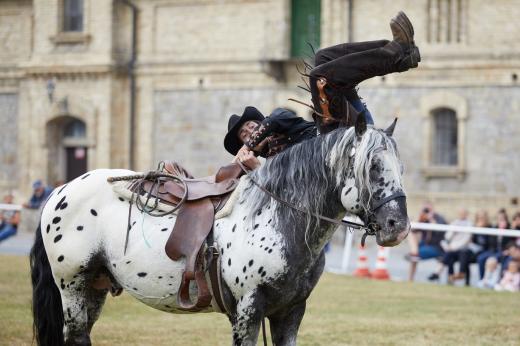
86	84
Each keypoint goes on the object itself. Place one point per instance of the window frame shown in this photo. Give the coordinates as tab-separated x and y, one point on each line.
63	14
429	105
63	37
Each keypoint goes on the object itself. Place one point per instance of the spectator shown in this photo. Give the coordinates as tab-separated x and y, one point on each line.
511	279
9	220
40	194
425	244
516	225
454	244
492	275
495	245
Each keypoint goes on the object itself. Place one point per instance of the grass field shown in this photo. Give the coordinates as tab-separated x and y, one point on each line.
341	311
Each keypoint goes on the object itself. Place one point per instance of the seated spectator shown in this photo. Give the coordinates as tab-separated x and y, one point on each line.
40	194
494	246
9	220
425	244
511	279
492	275
454	244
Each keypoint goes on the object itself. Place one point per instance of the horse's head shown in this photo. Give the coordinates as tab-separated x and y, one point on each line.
373	188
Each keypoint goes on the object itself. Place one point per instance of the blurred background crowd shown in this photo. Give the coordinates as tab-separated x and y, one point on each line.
497	256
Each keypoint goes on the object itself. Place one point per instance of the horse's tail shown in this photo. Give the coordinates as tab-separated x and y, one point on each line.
46	303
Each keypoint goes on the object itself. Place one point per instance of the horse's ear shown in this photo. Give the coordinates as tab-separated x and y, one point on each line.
390	130
361	124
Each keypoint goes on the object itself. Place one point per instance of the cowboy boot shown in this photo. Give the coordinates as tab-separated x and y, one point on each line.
403	32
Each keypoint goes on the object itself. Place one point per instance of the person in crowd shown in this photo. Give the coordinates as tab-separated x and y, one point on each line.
511	279
40	194
515	224
492	274
454	244
9	220
425	244
495	245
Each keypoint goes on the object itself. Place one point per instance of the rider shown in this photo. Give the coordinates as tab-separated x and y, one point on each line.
339	69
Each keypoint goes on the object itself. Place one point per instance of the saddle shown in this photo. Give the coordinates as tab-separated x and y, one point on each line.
200	199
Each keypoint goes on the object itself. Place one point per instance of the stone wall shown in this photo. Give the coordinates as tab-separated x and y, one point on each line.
490	149
189	126
8	141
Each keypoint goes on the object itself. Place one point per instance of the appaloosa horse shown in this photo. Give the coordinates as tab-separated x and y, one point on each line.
271	254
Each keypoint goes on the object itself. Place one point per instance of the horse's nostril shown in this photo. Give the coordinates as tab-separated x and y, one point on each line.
391	223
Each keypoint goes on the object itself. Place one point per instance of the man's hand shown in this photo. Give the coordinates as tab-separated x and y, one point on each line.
248	158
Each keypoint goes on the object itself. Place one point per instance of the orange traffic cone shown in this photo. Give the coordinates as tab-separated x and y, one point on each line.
362	264
381	271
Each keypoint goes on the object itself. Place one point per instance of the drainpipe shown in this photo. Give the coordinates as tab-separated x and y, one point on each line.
350	17
131	76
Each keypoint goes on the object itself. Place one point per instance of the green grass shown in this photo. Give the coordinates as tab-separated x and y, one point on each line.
341	311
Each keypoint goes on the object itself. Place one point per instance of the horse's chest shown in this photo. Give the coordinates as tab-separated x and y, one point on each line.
252	254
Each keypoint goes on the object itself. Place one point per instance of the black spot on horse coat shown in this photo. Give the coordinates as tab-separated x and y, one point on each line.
93	212
58	206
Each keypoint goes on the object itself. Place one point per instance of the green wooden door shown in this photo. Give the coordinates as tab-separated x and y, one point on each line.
305	26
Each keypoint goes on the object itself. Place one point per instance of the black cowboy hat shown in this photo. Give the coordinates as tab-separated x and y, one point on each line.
231	141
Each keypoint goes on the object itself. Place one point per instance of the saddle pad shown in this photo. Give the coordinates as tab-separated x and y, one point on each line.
227	209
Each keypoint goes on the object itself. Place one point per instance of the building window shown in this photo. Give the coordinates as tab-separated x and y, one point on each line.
444	151
446	21
75	129
444	116
305	26
72	15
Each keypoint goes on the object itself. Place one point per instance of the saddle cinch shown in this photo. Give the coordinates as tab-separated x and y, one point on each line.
201	199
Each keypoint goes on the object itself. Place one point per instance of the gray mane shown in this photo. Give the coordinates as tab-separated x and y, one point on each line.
310	174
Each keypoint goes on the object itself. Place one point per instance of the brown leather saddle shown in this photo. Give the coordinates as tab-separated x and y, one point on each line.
195	217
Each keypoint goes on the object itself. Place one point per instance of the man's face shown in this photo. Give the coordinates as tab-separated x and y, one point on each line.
246	130
8	199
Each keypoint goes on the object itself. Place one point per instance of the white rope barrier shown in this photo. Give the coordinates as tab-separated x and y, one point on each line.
347	247
464	229
10	207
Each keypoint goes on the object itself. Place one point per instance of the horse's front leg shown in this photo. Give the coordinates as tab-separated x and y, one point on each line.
246	321
285	324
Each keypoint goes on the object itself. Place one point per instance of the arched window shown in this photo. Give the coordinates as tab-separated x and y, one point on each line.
445	137
75	129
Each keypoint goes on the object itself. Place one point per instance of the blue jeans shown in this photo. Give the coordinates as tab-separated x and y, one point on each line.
360	107
7	231
429	251
482	258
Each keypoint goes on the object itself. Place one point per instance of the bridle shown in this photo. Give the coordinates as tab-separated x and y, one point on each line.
370	228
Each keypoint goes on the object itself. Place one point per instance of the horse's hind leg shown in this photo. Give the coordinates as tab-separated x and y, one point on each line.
285	325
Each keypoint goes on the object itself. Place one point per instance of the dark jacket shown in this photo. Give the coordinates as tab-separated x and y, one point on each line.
283	128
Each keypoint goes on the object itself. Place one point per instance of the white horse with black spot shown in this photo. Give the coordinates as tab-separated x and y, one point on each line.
272	254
